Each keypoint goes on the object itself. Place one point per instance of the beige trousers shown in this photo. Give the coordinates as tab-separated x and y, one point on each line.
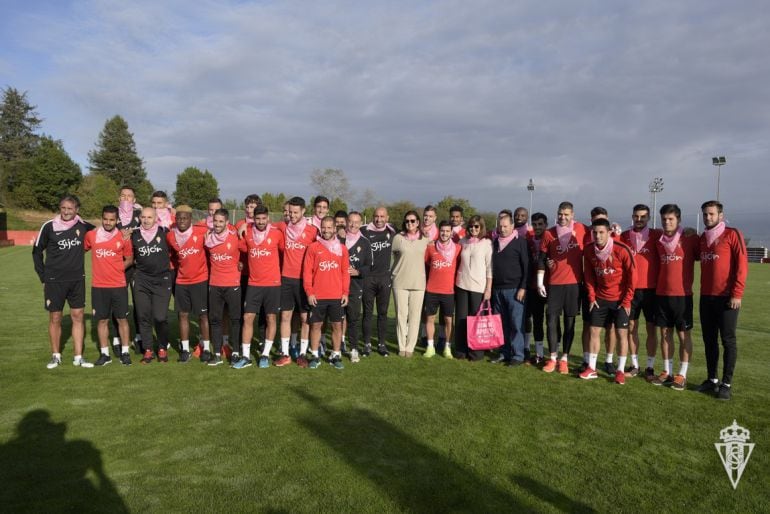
408	313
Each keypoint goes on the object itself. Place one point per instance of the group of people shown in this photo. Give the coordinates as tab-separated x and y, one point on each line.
306	276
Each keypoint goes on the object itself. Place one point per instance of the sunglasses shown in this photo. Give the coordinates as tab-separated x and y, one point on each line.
411	220
475	226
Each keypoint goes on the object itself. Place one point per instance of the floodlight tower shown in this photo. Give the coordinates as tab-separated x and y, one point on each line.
719	162
656	186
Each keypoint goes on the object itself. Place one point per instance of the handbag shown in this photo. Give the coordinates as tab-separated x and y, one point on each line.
485	330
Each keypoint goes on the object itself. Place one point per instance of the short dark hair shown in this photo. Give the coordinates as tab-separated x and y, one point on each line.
341	214
320	198
222	212
351	213
252	198
713	203
110	209
261	209
129	188
671	208
159	194
641	207
505	215
297	201
455	208
428	208
505	211
539	216
70	198
216	200
601	222
518	209
444	223
566	205
327	218
599	211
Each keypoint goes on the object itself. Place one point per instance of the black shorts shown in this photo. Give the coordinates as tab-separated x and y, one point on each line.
608	313
563	298
327	308
192	298
109	301
643	302
674	311
262	297
293	295
72	292
433	301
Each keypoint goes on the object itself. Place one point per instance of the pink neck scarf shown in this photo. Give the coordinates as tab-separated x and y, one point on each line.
457	229
61	226
351	239
182	237
260	235
604	253
126	212
164	217
503	241
147	235
472	240
522	230
671	242
371	227
248	221
294	230
565	233
447	250
431	232
412	236
102	236
713	233
213	239
316	221
639	239
333	245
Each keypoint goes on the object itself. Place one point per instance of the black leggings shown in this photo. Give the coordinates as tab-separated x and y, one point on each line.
353	312
466	302
717	318
376	287
218	298
151	298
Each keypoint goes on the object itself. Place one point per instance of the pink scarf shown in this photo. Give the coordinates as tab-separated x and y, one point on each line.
604	253
61	226
260	235
671	242
713	233
248	221
565	234
472	240
126	212
164	217
412	236
102	236
447	250
457	229
294	230
503	241
333	245
639	239
372	228
182	237
431	232
147	235
522	230
316	221
213	239
351	239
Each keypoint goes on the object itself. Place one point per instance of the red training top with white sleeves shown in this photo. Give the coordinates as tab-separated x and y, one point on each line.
190	259
568	262
294	251
646	259
613	279
223	261
325	275
264	259
107	269
724	265
676	272
441	274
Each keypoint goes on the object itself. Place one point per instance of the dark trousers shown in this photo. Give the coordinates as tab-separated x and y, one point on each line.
219	297
511	312
353	311
376	289
466	302
717	318
535	314
151	299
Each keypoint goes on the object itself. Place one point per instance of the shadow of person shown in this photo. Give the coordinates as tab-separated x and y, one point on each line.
557	499
41	471
412	474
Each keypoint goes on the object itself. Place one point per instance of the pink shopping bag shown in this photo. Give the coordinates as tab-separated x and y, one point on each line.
485	330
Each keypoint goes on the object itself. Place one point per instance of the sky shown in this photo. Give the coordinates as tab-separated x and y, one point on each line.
417	100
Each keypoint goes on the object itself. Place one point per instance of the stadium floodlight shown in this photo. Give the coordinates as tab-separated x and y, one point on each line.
719	162
656	186
531	189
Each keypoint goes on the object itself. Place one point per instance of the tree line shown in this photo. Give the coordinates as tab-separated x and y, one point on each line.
35	171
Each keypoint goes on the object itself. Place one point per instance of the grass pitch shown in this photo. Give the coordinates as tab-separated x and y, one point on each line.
385	435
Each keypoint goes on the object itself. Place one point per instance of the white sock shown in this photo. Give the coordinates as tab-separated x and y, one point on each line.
246	350
565	357
609	357
186	345
592	360
336	354
622	362
553	356
57	355
303	344
430	343
207	346
667	365
124	349
285	345
683	369
106	351
115	341
266	349
77	358
650	362
343	339
586	356
539	348
314	353
635	361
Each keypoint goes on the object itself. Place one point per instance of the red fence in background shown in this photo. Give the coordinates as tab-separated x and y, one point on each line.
19	237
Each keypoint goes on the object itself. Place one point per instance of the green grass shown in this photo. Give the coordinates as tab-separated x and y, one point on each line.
385	435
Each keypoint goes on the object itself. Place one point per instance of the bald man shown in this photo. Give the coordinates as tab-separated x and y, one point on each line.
377	283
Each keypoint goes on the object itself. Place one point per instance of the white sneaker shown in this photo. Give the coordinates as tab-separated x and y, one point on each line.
354	356
82	363
55	362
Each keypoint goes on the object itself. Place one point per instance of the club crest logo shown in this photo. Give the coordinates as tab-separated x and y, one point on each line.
269	241
195	239
228	246
735	451
157	239
77	232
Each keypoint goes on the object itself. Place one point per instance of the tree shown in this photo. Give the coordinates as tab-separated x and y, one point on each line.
274	203
51	173
18	123
115	156
331	183
397	210
446	203
95	192
194	188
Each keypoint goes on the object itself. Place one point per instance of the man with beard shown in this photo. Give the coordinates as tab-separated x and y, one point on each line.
377	285
441	262
360	265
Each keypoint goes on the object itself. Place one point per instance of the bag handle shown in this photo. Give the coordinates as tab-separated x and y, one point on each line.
484	306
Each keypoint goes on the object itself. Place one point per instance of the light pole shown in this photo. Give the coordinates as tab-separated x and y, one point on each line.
656	186
718	162
531	189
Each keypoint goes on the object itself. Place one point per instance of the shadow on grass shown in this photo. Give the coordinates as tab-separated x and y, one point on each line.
549	495
415	476
41	471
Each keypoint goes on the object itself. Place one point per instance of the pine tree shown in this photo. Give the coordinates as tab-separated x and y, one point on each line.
18	123
115	155
195	187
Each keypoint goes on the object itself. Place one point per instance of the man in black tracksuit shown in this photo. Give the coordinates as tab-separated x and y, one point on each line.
377	285
128	219
360	258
